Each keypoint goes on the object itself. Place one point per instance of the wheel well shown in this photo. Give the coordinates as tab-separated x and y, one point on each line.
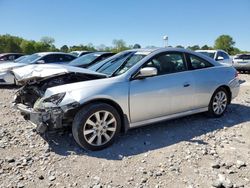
228	92
124	118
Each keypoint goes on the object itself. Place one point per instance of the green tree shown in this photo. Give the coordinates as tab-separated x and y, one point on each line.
136	46
28	47
10	43
195	47
103	48
236	51
119	45
206	47
42	47
179	46
225	42
48	40
64	48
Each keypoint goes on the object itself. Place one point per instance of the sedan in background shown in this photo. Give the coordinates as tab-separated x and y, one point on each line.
242	62
218	55
134	88
9	56
20	58
80	53
7	78
90	59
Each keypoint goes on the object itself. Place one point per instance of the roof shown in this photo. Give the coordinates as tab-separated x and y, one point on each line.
47	53
101	53
213	51
79	51
11	54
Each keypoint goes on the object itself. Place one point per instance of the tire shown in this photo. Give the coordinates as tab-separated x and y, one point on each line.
218	103
96	132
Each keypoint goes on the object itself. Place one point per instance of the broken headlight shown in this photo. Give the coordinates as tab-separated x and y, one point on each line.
55	99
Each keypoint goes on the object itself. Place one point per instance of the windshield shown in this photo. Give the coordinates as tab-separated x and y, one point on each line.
85	59
209	54
119	64
20	58
30	59
246	57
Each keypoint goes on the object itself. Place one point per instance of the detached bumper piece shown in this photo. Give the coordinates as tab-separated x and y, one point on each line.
7	78
44	121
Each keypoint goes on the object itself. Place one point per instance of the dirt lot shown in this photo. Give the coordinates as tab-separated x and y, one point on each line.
189	152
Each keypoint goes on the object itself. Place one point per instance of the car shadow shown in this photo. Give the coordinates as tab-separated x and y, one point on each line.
155	136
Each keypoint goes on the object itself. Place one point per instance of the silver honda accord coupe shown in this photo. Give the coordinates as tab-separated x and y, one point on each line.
131	89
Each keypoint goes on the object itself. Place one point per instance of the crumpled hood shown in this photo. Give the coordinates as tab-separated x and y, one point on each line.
38	71
10	66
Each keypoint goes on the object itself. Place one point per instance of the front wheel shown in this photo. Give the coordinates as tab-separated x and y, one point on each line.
218	103
96	126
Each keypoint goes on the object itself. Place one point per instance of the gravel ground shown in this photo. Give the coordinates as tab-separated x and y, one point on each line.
191	152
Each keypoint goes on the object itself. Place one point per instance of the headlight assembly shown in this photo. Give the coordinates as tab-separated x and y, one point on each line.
55	99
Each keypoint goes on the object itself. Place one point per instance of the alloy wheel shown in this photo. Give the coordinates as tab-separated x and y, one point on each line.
99	128
220	102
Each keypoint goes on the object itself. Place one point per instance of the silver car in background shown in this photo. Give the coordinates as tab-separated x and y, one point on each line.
242	62
218	55
131	89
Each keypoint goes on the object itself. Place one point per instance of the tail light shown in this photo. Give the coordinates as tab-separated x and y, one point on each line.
236	74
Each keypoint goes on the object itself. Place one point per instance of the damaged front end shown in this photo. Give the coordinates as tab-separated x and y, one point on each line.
46	112
49	118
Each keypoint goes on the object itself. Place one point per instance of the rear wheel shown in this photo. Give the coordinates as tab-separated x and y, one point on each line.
218	103
96	126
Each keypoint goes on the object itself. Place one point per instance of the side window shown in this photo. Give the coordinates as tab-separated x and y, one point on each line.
198	63
11	57
60	58
65	58
17	56
220	54
168	63
225	56
50	58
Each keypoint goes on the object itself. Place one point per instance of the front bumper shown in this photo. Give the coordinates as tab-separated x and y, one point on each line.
51	118
6	78
44	120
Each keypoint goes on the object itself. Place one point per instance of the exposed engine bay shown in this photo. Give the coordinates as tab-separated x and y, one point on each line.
35	89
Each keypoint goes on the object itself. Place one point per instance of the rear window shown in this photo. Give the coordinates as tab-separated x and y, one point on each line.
243	57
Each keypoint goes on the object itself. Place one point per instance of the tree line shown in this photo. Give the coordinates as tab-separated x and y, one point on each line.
9	43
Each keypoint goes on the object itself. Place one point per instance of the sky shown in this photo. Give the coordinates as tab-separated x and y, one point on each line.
74	22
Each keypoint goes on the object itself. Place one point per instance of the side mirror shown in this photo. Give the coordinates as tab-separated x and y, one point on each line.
40	61
220	58
146	72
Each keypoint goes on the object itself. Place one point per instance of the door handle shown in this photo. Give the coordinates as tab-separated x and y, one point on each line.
186	85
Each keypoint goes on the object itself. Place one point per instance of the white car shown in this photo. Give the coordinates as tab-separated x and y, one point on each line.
218	55
80	53
241	62
7	78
